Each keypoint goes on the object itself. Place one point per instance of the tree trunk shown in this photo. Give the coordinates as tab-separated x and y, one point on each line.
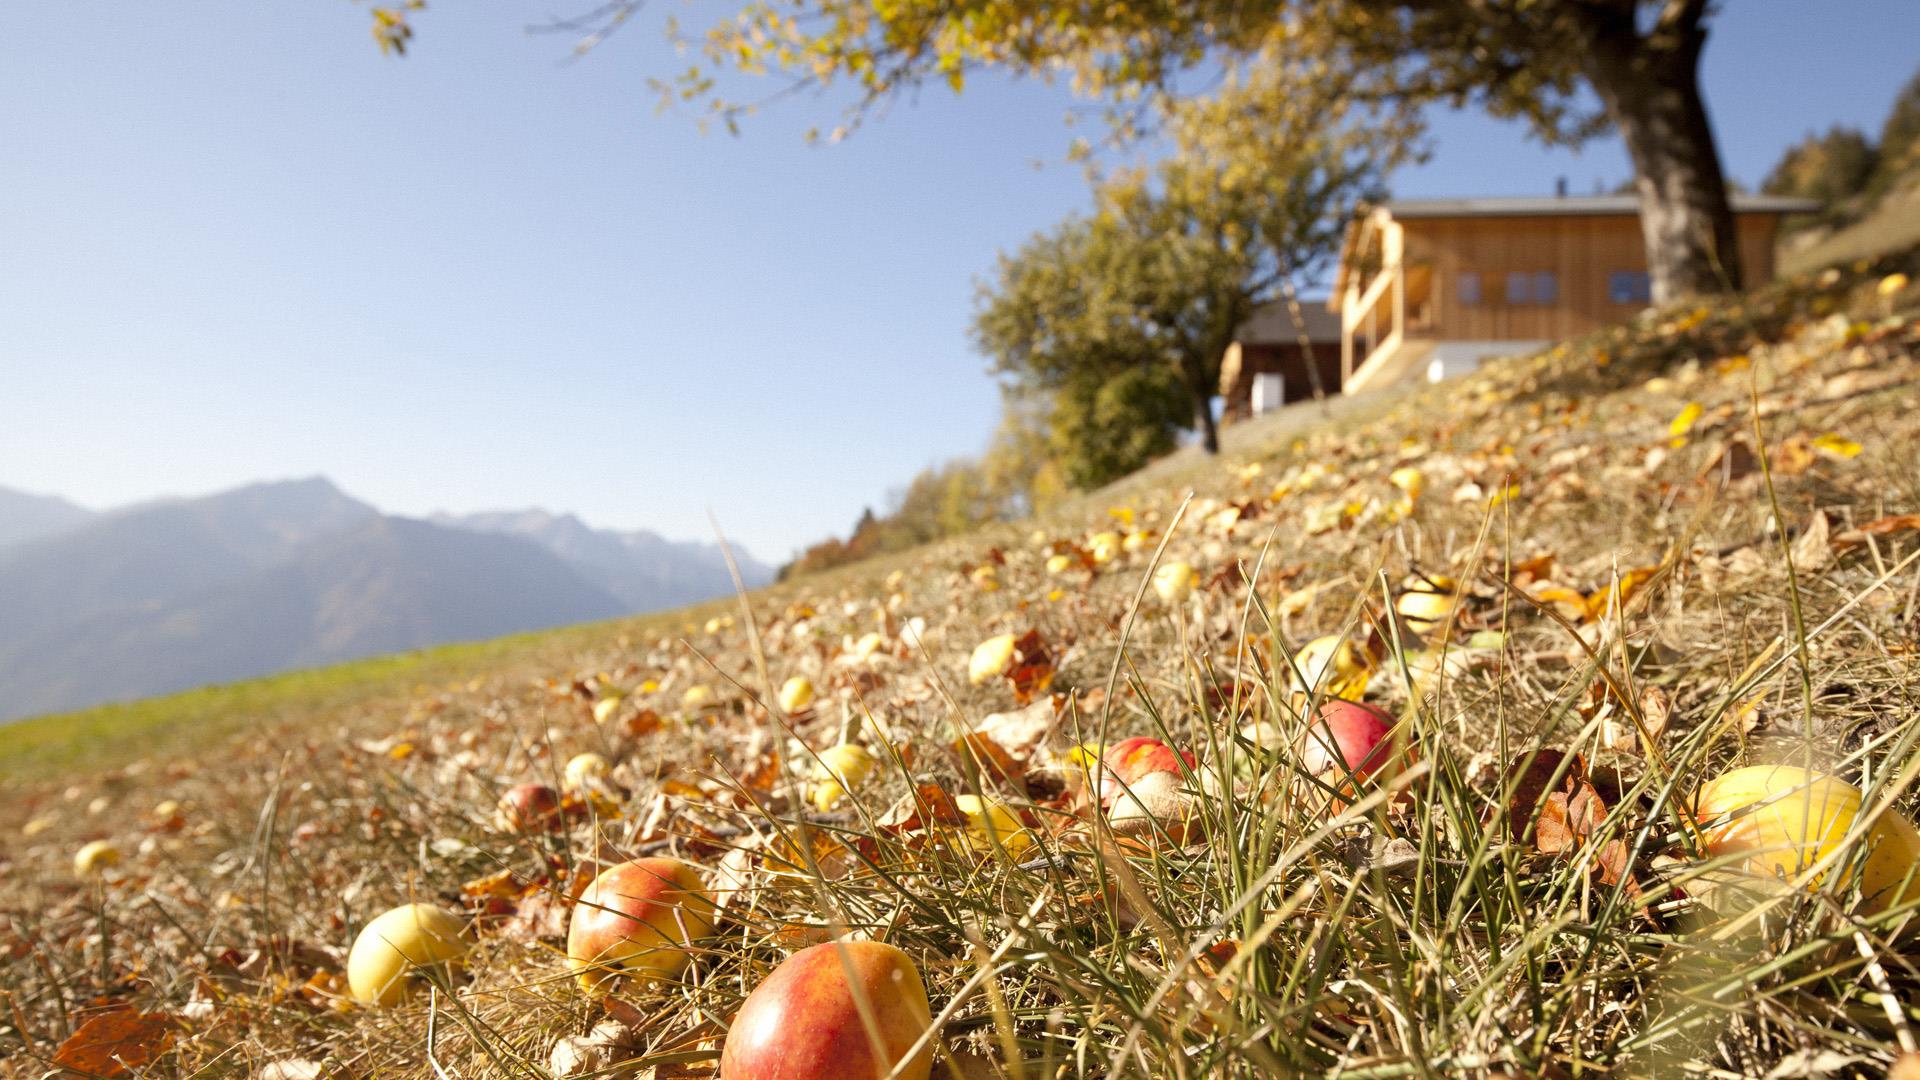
1650	87
1203	419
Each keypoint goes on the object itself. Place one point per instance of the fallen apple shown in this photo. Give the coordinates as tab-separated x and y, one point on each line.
804	1021
1331	665
1409	480
796	694
1174	581
1128	761
1348	739
585	771
529	808
989	822
1424	601
94	858
605	708
638	919
1785	819
842	769
991	659
1158	801
400	944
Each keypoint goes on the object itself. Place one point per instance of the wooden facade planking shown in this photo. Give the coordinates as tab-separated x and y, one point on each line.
1580	250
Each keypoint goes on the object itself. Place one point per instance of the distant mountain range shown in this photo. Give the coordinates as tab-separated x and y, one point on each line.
170	595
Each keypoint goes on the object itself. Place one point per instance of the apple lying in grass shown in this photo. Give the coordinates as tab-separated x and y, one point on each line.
1128	761
796	694
585	771
989	821
804	1021
529	808
1786	819
1425	600
1348	739
400	946
991	659
637	919
1174	581
95	858
843	768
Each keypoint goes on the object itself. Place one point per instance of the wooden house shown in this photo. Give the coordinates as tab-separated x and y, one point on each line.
1431	287
1276	358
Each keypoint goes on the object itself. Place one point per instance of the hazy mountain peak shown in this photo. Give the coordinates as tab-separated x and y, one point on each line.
25	516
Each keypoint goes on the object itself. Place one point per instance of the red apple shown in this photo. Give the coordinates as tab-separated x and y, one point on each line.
1347	737
803	1023
529	808
637	919
1128	761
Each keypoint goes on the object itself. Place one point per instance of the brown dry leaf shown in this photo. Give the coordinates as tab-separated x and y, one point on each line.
1022	732
1885	526
1552	834
1032	670
1793	456
988	756
116	1042
1812	550
644	722
927	806
1531	785
498	884
1735	461
1527	571
1656	710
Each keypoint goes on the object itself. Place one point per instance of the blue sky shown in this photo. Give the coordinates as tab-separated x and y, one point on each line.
237	243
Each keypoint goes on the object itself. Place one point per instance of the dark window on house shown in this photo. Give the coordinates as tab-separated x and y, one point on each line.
1469	289
1533	287
1629	287
1546	287
1519	287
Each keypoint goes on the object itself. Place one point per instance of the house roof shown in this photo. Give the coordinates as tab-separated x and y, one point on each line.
1575	204
1271	324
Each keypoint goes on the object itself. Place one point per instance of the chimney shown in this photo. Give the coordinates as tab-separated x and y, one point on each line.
1560	188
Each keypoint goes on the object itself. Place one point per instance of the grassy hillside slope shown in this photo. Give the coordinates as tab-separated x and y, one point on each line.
1676	547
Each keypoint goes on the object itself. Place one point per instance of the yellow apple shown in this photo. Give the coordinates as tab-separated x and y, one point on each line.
1786	819
843	768
585	771
1174	581
397	946
991	659
796	694
93	859
987	821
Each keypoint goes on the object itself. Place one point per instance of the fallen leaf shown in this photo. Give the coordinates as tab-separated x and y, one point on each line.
116	1042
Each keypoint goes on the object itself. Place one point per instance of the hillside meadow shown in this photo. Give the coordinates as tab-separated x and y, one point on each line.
1570	590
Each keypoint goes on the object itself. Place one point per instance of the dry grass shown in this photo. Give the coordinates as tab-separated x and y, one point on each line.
1404	929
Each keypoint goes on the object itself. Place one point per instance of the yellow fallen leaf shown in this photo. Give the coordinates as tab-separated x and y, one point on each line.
1684	422
1838	446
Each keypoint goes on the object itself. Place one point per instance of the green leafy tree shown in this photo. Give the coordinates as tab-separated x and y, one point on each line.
1829	168
1176	257
1899	150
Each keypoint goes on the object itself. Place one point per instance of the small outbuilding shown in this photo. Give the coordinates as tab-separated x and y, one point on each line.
1275	359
